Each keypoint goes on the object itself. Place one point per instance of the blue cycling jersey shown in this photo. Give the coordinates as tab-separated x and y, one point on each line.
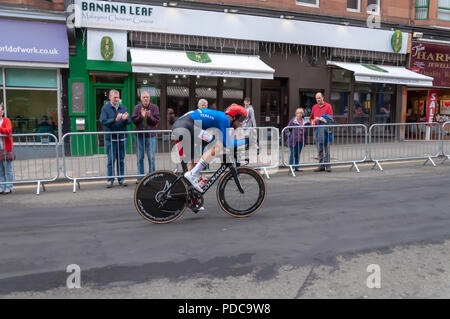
216	119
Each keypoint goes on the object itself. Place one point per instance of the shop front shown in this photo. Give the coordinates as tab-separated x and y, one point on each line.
433	60
32	58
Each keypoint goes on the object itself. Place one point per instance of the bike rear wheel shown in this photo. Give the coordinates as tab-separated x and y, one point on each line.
232	201
149	197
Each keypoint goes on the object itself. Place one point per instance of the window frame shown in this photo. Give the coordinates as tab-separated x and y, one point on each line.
440	9
372	12
300	3
427	6
354	10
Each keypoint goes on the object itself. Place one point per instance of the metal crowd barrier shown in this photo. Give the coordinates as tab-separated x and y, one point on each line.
85	154
262	152
347	144
404	141
36	160
445	140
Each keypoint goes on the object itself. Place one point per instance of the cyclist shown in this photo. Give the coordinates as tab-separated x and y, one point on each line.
233	117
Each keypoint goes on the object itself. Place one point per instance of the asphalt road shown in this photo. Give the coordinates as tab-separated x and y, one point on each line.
314	238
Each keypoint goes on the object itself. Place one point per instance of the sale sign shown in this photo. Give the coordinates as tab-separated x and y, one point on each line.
431	104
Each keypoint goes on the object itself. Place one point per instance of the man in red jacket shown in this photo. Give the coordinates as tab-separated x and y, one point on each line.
321	108
6	145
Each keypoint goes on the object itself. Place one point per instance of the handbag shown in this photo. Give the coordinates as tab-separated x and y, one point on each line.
7	156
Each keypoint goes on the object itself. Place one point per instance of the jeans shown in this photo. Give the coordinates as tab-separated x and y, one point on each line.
324	154
116	153
146	145
295	153
6	175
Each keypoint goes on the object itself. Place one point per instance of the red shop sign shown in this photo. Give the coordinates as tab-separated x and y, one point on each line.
432	60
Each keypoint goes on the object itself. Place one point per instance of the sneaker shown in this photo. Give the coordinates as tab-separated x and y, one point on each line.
194	181
109	184
123	184
320	169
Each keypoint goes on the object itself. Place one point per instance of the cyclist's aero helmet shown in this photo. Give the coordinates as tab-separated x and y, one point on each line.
237	112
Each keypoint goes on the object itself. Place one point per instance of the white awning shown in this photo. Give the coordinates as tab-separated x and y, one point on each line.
210	64
384	74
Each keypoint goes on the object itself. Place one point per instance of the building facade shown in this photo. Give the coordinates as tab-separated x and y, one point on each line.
34	62
181	54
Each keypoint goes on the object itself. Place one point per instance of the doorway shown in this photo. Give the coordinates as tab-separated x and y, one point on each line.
274	103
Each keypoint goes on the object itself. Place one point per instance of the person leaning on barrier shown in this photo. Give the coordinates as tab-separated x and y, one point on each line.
6	154
115	117
145	117
296	137
318	111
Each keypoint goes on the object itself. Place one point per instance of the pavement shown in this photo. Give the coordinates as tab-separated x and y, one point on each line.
319	235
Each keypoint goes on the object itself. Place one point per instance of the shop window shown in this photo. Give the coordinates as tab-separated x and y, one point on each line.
444	10
206	88
32	111
178	94
385	100
233	91
149	83
422	9
340	93
31	100
362	103
31	78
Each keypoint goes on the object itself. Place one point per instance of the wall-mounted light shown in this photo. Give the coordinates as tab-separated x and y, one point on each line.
164	4
225	10
281	16
234	10
345	23
173	4
289	17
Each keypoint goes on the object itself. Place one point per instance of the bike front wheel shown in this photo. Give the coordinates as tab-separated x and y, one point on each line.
154	203
238	204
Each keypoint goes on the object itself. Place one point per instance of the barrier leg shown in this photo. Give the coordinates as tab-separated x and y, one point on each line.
429	159
377	164
38	190
265	172
446	157
292	171
75	185
355	166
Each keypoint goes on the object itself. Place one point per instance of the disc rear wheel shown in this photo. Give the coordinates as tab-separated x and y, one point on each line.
154	203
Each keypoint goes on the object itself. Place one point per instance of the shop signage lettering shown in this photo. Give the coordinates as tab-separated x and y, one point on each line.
432	60
115	8
431	107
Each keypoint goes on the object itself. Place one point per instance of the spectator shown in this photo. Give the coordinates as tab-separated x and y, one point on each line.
171	118
296	137
202	103
6	154
114	117
250	122
145	117
322	112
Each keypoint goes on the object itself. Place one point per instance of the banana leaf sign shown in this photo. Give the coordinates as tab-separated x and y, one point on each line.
107	48
198	57
396	41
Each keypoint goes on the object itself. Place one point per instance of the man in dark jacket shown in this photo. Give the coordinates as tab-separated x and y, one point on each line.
115	118
145	117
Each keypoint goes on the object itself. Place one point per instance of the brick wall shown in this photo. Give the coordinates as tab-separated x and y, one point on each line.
57	5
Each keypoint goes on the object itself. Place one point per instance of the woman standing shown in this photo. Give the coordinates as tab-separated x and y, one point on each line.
6	153
296	137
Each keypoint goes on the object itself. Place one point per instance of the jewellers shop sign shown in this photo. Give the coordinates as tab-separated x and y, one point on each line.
432	60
